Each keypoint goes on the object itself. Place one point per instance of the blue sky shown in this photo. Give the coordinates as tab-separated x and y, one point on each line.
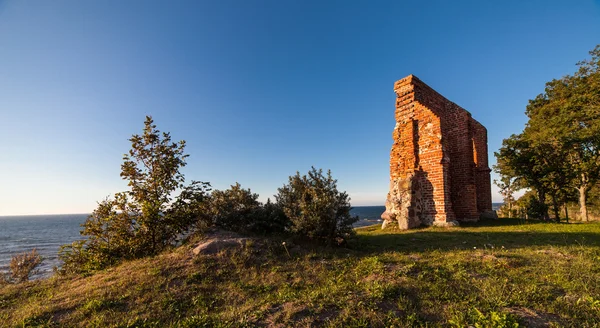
258	89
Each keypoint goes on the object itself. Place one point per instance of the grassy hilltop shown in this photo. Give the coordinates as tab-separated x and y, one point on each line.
502	273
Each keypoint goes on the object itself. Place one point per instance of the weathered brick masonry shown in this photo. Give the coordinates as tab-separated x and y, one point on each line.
439	170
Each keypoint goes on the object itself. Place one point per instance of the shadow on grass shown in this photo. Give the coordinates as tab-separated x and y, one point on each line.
503	222
507	233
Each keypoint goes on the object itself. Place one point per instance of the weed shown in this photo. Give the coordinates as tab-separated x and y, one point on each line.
23	266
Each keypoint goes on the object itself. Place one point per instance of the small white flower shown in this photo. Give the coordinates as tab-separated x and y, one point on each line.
474	247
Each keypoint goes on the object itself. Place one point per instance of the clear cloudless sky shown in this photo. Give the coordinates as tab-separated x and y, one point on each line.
258	89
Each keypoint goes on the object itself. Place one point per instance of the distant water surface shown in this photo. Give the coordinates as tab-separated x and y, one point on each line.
367	215
46	233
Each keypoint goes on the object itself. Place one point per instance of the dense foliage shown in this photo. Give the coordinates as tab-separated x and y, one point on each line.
145	219
558	153
309	207
238	209
316	208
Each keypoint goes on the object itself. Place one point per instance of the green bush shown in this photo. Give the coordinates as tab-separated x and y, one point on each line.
238	209
270	219
533	207
232	209
315	207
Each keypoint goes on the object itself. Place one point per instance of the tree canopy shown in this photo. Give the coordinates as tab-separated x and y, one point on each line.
147	218
558	152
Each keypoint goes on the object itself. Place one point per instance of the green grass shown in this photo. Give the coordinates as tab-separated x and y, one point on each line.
495	274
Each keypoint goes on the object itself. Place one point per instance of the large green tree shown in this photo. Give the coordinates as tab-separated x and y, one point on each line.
567	116
147	218
559	149
152	168
525	165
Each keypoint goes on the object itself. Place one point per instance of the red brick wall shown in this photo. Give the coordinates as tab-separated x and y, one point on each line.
482	170
446	149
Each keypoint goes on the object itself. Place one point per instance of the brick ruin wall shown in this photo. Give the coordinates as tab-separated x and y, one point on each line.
439	171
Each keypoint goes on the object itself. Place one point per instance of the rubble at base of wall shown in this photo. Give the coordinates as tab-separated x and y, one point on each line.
390	223
446	224
403	203
488	215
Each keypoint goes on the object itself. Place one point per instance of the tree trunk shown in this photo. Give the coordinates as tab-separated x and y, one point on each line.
582	201
567	213
556	209
542	200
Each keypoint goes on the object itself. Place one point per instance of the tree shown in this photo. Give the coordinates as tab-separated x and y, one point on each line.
530	204
145	219
508	184
567	115
189	206
315	207
559	149
524	164
152	168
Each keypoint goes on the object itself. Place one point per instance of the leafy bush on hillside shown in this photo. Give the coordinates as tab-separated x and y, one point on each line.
270	219
308	207
315	207
239	210
232	209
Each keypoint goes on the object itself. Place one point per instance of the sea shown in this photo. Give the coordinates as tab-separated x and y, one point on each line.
46	233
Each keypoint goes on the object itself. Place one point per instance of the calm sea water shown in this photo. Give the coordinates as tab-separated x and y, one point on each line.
496	206
47	233
368	215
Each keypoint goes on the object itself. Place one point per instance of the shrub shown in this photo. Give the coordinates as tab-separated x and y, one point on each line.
238	209
270	219
315	207
232	209
77	257
23	266
532	206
